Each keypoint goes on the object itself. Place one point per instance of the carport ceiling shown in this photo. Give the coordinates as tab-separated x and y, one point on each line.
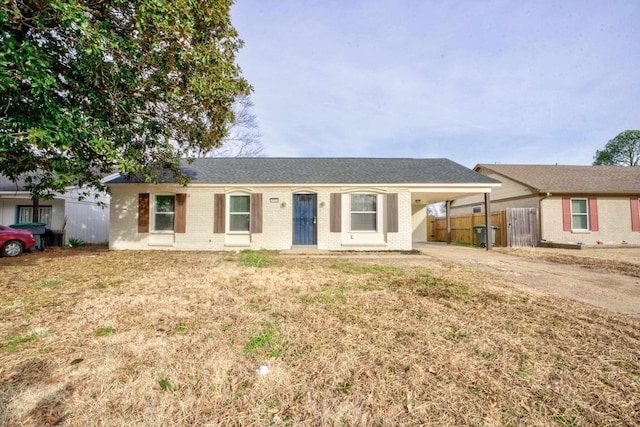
437	196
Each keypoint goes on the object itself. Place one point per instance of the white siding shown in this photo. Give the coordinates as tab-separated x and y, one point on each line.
9	209
85	219
87	222
517	194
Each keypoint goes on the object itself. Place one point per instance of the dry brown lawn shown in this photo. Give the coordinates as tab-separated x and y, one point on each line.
615	260
92	337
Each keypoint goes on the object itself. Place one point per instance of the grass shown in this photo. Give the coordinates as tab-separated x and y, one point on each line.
15	342
172	338
266	344
103	332
258	259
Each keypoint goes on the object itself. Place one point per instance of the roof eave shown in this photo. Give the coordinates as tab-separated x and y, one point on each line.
529	186
331	184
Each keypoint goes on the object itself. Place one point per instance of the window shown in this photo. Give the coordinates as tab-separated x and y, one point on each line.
579	214
364	212
477	209
25	214
164	213
239	213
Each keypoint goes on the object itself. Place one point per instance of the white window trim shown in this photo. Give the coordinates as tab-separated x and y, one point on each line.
155	213
586	214
376	213
229	213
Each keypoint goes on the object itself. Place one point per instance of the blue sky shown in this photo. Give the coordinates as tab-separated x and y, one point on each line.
473	81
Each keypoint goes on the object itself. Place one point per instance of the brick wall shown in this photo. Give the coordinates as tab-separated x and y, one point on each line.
277	231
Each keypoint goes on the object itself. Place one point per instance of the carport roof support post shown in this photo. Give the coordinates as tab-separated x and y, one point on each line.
487	215
448	220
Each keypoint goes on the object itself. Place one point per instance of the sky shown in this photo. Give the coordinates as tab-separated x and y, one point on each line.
526	82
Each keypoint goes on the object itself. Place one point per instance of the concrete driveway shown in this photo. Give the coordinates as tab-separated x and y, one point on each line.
615	292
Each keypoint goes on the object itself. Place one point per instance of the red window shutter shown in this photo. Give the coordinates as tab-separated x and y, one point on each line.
635	214
392	213
593	214
566	214
219	213
335	212
143	213
181	213
256	213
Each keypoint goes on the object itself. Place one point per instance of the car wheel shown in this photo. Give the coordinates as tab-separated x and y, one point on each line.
12	248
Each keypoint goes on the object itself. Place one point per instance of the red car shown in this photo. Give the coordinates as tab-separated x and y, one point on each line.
13	242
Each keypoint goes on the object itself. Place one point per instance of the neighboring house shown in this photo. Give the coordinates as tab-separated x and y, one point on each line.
86	220
576	204
284	203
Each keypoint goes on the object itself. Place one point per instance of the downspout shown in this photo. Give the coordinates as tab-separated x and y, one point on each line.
546	196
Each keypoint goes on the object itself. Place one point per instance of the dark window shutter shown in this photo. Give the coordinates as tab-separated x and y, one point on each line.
181	213
219	213
593	214
256	213
635	214
143	213
335	212
566	214
392	213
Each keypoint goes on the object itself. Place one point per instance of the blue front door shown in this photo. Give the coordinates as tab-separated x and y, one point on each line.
304	219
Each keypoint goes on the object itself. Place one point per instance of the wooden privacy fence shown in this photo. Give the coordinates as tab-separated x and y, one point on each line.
515	227
523	227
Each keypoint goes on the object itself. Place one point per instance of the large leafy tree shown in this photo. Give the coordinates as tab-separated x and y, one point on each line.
89	87
623	150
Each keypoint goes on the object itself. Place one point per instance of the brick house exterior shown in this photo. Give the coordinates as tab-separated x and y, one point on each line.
285	203
591	205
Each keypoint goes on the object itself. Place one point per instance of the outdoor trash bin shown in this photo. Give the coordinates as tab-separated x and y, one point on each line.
57	238
481	235
38	230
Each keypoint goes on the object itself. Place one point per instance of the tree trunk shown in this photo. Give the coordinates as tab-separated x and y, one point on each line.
36	208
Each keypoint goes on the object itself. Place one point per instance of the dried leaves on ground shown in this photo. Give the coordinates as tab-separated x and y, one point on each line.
614	260
92	337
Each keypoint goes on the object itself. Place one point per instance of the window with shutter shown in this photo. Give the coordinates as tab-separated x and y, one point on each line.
392	213
579	214
164	207
219	213
364	212
566	214
593	214
635	214
335	214
181	213
239	213
256	213
143	213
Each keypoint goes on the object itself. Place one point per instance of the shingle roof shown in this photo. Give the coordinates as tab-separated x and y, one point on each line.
271	170
572	179
7	185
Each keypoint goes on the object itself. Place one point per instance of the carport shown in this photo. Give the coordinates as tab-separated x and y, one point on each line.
421	198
